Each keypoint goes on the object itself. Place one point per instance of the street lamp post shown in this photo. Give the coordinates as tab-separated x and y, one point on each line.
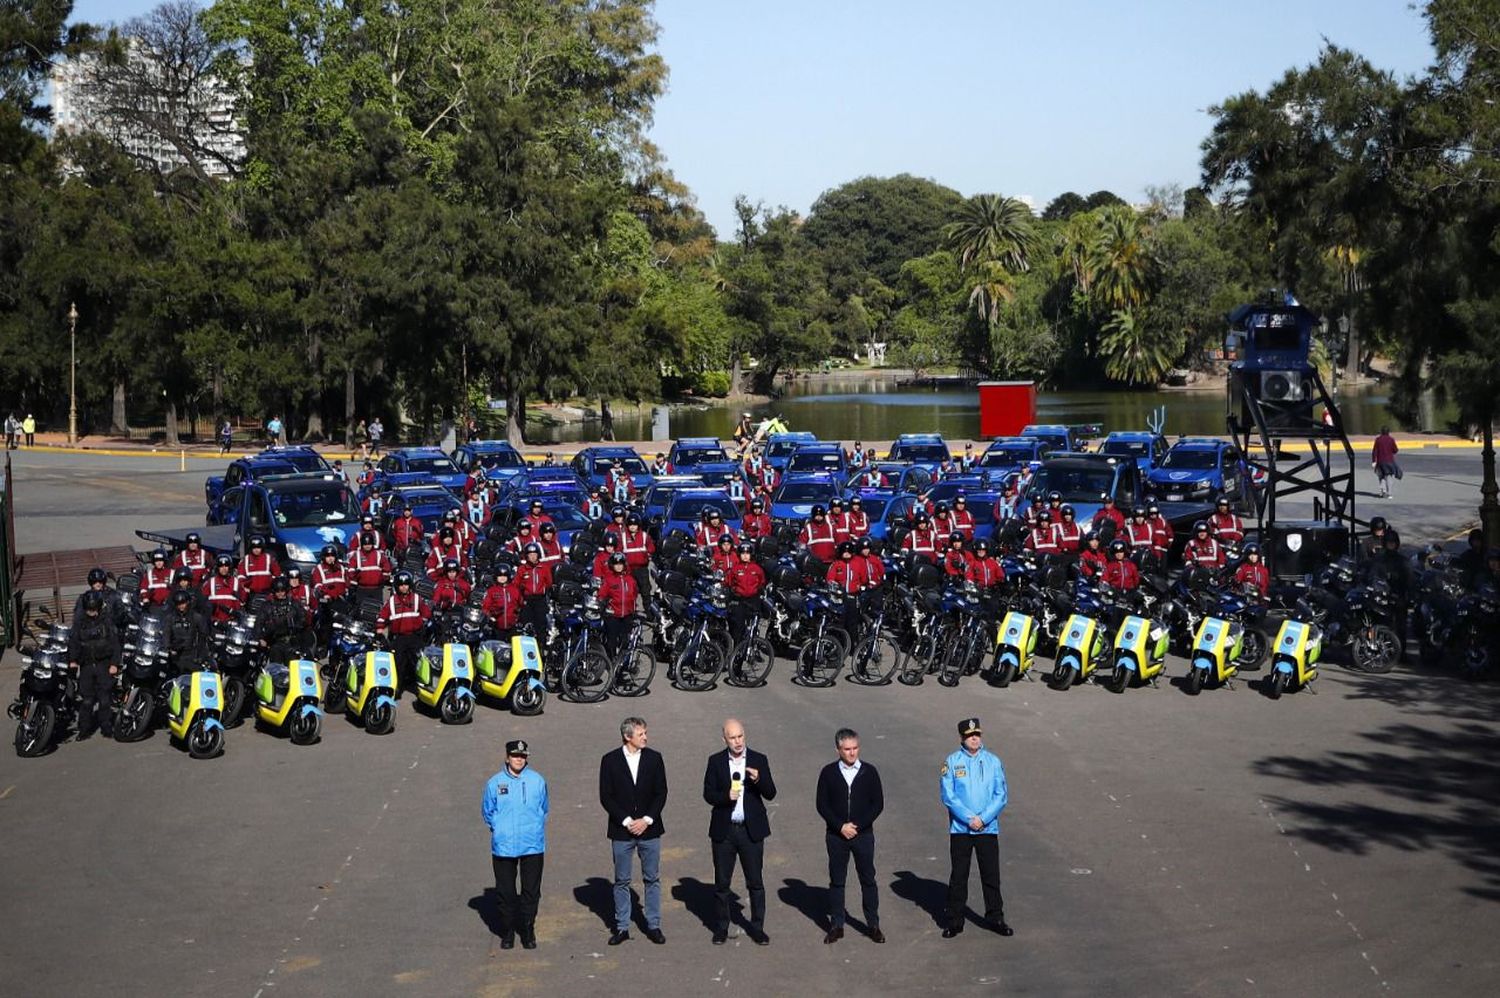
73	373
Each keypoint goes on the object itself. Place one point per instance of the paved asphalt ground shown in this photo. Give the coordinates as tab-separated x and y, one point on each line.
1342	843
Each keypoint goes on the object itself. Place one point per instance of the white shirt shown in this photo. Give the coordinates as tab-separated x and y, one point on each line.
849	772
633	763
737	767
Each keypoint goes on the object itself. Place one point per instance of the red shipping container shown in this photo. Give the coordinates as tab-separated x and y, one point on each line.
1006	407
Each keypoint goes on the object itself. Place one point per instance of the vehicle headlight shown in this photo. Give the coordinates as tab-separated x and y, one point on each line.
1202	487
297	552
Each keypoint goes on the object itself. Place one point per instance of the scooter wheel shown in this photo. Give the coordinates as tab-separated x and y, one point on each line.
380	719
1062	678
204	742
527	700
1119	682
1003	675
1276	684
305	729
1193	682
455	709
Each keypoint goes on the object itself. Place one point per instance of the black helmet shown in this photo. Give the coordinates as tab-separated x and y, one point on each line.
1067	510
921	519
634	520
329	551
223	561
1044	514
1377	523
403	578
257	541
981	546
745	547
611	539
726	538
1249	549
181	597
941	507
1054	497
159	555
294	573
1117	547
93	602
1222	501
706	515
757	503
835	501
1152	509
448	536
616	512
98	575
194	538
1092	535
616	559
281	584
182	575
549	528
1139	511
531	549
818	510
1391	539
450	565
856	501
957	537
367	539
503	568
524	525
846	549
1200	526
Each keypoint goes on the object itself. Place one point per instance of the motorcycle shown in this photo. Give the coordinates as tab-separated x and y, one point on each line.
1478	620
46	701
139	684
1140	652
1217	648
287	697
238	656
1294	657
1015	648
445	677
369	685
350	641
512	669
195	701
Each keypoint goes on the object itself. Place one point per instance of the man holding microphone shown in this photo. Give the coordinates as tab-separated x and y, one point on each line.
736	784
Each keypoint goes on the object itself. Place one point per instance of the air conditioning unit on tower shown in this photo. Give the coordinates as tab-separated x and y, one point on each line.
1284	386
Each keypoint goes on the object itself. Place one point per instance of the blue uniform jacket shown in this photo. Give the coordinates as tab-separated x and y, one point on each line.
515	808
974	784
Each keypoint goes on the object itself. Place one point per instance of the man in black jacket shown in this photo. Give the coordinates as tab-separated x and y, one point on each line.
736	784
633	792
850	798
94	654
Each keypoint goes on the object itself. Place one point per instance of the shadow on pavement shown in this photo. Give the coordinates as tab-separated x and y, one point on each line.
698	898
811	901
487	903
1427	692
929	895
597	895
1444	791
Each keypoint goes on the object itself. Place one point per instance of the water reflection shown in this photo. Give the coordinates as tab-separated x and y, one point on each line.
879	409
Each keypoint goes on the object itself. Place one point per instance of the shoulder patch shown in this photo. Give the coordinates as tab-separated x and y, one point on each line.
945	770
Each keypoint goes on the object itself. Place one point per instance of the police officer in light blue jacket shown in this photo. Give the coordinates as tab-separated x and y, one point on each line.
515	808
974	792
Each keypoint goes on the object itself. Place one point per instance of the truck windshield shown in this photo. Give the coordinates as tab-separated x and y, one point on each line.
1005	457
1075	484
1126	448
920	452
504	459
431	465
1191	460
314	507
632	465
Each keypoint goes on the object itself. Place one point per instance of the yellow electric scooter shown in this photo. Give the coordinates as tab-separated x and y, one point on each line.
1216	654
195	704
445	676
512	670
287	697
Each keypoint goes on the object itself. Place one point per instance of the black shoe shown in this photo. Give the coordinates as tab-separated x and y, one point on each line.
655	935
83	736
619	937
721	936
1000	928
507	942
528	941
759	937
834	934
952	931
876	936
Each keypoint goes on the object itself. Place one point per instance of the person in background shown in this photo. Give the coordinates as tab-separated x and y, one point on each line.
28	427
1383	460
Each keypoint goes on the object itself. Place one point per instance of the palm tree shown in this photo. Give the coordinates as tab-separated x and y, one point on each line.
993	238
1124	269
1077	247
1133	353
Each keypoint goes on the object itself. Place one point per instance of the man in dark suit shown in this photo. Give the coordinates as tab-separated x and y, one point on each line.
736	784
633	791
850	798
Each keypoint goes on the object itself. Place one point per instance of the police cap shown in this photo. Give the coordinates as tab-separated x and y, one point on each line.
969	726
517	746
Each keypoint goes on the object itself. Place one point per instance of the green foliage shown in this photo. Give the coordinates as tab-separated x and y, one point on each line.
711	384
1064	207
871	226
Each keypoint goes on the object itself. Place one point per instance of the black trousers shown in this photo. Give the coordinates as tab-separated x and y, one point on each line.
862	848
518	911
616	633
534	612
405	648
94	686
987	848
751	856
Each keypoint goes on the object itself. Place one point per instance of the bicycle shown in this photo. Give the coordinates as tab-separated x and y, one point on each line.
635	666
750	662
825	649
874	657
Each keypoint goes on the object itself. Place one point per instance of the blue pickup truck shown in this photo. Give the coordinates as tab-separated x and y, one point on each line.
243	471
1084	479
297	513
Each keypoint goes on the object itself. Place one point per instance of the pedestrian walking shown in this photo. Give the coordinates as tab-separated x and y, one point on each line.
375	431
28	427
226	436
974	792
849	800
12	430
633	792
515	809
736	784
1383	461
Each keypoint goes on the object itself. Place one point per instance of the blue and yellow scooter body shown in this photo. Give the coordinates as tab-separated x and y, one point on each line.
285	691
1141	646
1216	648
370	677
1015	644
439	667
193	695
1298	647
1082	645
500	665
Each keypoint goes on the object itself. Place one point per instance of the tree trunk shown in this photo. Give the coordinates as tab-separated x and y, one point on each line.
606	420
1351	360
735	375
1489	506
314	430
173	438
515	416
117	422
349	406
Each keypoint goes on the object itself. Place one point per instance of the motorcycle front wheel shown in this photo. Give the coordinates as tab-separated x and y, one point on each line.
135	715
205	742
1376	649
1253	647
305	728
34	729
527	700
380	718
234	700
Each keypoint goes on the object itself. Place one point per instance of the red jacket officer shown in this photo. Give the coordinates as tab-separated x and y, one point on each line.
222	589
503	600
617	591
847	573
1227	528
258	569
922	540
817	535
1202	550
1042	537
1252	572
745	579
856	520
756	522
723	554
366	525
1139	533
984	569
1121	572
330	579
369	567
1092	557
961	518
156	581
1161	531
955	559
534	576
193	558
1109	514
1069	533
403	612
406	531
445	547
838	519
636	545
451	589
874	564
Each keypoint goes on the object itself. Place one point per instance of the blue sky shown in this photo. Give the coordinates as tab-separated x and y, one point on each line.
782	99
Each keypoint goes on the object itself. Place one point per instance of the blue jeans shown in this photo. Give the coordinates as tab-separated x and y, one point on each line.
650	851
